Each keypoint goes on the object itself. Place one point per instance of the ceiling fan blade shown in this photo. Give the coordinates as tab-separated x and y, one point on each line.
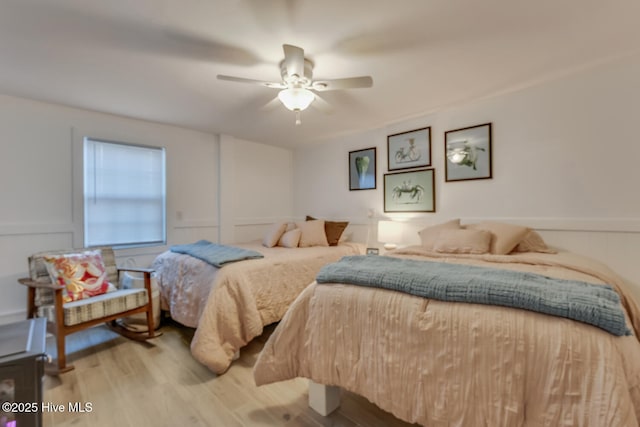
347	83
272	85
322	105
294	60
207	49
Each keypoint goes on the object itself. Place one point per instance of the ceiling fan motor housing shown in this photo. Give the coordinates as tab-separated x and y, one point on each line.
302	81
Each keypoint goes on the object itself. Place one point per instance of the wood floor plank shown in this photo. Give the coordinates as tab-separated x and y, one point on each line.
159	383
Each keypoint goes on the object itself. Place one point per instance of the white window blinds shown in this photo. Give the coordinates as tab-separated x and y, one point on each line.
124	194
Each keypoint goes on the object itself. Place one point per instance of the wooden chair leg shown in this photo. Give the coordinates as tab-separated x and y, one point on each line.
62	356
60	334
60	366
150	326
147	286
31	303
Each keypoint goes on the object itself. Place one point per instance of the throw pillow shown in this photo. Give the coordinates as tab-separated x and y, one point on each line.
429	235
290	239
533	242
273	234
333	230
312	233
505	236
83	275
463	242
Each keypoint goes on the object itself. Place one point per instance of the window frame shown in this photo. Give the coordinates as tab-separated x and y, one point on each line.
85	222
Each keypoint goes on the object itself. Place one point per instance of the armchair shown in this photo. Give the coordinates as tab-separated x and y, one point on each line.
68	317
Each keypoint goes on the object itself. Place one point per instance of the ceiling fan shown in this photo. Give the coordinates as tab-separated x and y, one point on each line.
297	85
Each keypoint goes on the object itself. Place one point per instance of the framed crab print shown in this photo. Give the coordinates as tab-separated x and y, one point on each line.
468	153
411	191
409	150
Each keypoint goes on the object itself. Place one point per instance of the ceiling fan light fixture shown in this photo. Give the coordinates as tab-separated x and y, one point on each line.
296	99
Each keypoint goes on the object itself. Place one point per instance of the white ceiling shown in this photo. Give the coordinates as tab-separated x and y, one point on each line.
158	59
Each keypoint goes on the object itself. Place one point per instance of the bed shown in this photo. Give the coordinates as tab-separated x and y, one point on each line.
439	363
229	306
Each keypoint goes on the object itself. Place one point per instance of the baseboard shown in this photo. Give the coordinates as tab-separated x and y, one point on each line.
12	316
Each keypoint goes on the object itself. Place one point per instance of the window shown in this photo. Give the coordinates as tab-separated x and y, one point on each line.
124	194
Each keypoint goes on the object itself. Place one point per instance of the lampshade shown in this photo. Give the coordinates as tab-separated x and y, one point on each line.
389	233
296	99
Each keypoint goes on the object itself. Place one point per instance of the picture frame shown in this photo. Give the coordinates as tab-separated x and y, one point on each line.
373	251
409	150
362	169
468	153
410	191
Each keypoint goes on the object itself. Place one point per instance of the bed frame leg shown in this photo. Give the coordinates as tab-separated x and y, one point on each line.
324	399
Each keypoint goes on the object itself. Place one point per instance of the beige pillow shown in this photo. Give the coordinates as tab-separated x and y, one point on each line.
273	234
505	236
290	239
533	242
312	233
346	237
333	230
429	235
463	242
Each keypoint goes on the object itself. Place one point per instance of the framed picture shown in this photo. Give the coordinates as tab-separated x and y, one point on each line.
362	169
373	251
468	153
412	191
409	150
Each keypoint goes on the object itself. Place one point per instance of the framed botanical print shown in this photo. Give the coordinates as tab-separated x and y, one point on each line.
362	169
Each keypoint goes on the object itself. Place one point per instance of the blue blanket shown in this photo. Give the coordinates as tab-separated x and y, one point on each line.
216	255
597	305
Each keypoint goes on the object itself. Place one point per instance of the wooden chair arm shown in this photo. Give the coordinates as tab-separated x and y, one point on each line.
147	275
136	269
35	284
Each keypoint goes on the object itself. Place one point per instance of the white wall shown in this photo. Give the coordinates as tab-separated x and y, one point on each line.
255	188
41	185
565	157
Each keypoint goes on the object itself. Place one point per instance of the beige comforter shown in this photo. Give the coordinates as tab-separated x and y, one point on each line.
229	306
453	364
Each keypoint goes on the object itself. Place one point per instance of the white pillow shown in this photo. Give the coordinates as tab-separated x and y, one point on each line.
290	239
312	233
290	226
273	234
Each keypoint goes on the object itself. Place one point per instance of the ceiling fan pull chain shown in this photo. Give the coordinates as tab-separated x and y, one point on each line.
298	121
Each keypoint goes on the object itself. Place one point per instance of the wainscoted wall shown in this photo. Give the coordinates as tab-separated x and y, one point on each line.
41	185
255	188
41	181
564	162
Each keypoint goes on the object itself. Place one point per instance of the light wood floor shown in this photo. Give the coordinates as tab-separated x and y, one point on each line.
158	383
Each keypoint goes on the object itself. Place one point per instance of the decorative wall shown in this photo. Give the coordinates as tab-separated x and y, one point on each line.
564	161
41	185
